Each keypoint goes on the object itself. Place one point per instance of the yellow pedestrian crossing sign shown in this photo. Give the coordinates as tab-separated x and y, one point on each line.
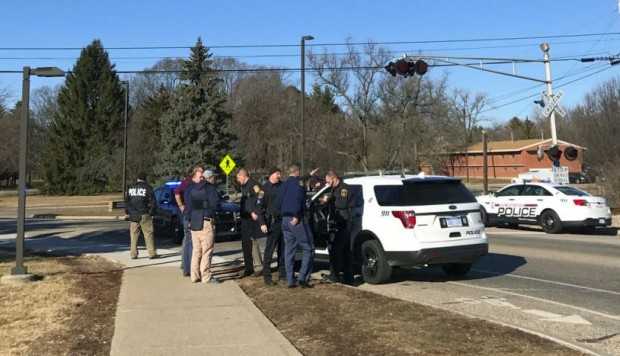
227	164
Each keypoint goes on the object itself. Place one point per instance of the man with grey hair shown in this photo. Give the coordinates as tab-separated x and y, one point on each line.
295	229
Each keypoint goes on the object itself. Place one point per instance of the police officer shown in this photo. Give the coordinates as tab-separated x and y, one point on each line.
272	203
252	220
342	202
295	229
140	206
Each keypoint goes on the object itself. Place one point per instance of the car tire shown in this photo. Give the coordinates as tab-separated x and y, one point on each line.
456	269
375	267
550	222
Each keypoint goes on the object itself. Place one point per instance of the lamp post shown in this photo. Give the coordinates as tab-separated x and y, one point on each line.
303	97
126	83
19	268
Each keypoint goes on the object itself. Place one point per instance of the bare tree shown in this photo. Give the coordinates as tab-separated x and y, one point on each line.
149	84
354	79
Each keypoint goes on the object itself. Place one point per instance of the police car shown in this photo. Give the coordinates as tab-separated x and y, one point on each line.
407	221
554	207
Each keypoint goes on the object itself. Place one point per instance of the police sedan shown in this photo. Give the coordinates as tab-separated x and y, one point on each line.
554	207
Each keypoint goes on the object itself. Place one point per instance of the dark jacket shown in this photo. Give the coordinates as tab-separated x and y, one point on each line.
204	201
293	198
139	200
343	200
251	201
273	200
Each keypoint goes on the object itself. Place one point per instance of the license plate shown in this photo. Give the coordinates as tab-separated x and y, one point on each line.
454	221
601	221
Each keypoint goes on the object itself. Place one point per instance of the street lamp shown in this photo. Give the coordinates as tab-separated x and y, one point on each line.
20	269
126	83
303	96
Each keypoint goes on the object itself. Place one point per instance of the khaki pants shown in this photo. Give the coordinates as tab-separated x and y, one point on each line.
146	225
202	242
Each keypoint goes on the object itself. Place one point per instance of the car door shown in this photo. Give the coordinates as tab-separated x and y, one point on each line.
507	202
321	220
534	199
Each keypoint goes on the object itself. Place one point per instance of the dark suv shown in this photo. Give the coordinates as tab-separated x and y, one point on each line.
168	219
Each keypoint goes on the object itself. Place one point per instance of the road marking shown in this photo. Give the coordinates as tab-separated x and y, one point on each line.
598	290
499	290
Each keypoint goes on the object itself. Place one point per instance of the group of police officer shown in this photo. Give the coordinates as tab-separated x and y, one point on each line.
276	209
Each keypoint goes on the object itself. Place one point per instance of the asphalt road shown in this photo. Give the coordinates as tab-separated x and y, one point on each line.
566	286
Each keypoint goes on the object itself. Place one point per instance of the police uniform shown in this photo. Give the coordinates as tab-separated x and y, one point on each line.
272	203
140	206
251	198
298	235
343	202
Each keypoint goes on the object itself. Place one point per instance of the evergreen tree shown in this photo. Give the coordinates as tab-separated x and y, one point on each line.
85	135
145	132
197	128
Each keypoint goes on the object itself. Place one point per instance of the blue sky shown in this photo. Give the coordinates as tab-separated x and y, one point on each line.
64	23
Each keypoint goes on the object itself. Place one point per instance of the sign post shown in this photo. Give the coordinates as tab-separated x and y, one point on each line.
227	164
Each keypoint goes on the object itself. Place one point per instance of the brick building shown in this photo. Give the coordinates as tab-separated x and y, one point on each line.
507	159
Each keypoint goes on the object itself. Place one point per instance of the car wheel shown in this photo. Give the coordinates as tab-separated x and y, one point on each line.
456	269
375	268
550	222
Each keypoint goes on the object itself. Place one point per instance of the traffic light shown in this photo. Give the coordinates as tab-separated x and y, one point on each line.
571	153
555	153
407	67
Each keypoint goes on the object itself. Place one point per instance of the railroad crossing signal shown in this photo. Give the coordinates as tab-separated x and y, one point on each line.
553	104
227	164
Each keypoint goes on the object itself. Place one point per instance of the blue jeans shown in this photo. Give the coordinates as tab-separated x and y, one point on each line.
297	236
186	258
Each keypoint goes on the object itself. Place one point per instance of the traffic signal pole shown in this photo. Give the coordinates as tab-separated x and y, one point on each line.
545	48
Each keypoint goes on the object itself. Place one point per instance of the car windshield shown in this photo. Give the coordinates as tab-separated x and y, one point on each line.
571	191
424	193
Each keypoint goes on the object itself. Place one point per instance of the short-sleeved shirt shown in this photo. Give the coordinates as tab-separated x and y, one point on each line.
180	190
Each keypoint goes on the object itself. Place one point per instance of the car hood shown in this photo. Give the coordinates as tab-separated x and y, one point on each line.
230	207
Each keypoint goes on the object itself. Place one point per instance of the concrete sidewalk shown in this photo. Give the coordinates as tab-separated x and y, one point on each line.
161	313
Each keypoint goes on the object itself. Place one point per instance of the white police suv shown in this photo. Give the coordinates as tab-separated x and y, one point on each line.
407	221
554	207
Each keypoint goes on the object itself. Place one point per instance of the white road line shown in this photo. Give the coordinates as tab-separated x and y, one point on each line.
598	290
499	290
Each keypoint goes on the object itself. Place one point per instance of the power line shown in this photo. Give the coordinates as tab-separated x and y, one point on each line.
328	44
537	94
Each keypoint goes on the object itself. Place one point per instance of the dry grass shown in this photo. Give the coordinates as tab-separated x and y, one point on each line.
336	320
69	311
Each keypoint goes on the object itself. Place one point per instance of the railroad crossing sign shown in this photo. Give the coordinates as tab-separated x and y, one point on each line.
553	104
227	164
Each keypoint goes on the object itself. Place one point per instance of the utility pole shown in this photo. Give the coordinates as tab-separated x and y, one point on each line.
303	98
545	48
126	113
485	166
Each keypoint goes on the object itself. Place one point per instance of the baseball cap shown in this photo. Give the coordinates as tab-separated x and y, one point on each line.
208	173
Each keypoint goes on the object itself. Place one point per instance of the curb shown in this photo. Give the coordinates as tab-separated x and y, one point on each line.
77	217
